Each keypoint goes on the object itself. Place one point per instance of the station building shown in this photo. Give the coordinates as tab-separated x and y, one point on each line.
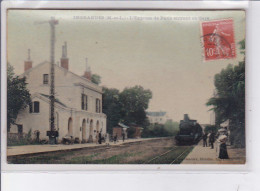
78	102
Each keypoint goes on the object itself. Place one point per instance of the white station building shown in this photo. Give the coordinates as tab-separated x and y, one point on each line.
159	117
78	102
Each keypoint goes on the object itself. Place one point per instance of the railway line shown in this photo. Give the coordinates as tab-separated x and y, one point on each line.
171	156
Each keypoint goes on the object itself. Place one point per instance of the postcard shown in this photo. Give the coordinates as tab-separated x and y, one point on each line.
125	87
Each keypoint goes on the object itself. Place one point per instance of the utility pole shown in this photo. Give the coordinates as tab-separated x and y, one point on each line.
52	133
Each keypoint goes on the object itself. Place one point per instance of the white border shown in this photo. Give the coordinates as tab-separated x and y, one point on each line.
127	5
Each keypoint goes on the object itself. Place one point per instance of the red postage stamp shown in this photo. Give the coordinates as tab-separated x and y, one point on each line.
218	39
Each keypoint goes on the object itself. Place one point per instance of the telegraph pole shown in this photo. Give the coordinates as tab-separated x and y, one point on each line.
52	133
52	22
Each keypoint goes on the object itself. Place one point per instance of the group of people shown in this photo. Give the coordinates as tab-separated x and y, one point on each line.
210	139
109	139
115	138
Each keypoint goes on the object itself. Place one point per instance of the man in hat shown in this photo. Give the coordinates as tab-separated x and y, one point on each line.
212	139
205	137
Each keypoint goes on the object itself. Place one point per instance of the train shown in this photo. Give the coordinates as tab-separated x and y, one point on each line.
190	132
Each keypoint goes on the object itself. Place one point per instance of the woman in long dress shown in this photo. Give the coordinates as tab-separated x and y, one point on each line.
107	139
223	154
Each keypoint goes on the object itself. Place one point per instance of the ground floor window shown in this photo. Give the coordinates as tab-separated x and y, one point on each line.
20	129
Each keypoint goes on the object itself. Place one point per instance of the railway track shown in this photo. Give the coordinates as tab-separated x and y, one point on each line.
184	152
164	155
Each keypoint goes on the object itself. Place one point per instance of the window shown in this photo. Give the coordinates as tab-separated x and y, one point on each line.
34	107
30	108
45	78
98	106
84	102
20	129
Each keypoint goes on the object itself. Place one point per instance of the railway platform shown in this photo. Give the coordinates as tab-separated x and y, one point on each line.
45	148
206	155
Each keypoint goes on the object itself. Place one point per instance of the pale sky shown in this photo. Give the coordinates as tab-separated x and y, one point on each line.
164	56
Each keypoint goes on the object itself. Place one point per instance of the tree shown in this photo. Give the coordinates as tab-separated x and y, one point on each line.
134	101
160	130
18	96
127	106
172	127
210	128
111	107
229	103
96	79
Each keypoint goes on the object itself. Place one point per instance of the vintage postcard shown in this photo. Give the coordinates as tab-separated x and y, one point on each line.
125	87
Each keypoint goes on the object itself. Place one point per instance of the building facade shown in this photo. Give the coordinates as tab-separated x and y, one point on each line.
78	102
159	117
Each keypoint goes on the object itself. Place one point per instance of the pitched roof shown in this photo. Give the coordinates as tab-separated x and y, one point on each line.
47	100
122	125
56	100
29	70
46	62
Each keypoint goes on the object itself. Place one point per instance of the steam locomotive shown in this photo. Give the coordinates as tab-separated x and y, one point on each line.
190	131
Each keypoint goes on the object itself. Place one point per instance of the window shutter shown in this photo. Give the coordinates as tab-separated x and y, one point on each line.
96	105
82	101
30	108
86	102
99	106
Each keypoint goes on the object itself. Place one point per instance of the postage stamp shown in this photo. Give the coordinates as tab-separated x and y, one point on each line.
218	39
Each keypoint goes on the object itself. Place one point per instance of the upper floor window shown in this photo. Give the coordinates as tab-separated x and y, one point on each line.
45	78
35	107
98	106
84	102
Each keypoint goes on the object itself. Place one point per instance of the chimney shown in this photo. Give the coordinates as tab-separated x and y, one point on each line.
28	62
87	73
64	61
186	117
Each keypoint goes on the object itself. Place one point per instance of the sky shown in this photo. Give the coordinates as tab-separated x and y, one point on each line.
159	50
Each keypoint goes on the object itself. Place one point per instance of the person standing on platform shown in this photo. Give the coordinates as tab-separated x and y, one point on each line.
96	140
208	139
107	139
115	138
99	137
205	137
123	135
223	154
212	139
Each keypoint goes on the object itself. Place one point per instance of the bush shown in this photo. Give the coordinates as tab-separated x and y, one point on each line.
159	130
15	139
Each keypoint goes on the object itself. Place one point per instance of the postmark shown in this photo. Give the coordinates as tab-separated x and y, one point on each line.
218	39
